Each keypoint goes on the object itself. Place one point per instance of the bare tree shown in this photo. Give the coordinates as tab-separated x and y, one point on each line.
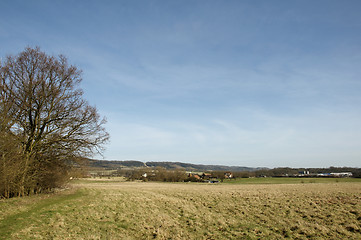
45	110
10	164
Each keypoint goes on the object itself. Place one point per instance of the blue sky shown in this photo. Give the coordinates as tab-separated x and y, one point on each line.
246	83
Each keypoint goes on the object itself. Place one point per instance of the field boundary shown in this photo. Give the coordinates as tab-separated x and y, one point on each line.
16	221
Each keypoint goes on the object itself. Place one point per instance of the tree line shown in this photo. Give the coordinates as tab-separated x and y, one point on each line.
158	174
162	174
45	123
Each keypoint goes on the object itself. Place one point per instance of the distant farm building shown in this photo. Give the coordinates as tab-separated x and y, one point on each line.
341	174
202	177
206	176
228	175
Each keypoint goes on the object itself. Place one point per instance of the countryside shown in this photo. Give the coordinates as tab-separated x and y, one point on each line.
180	120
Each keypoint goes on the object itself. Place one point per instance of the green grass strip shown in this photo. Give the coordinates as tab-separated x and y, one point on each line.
15	222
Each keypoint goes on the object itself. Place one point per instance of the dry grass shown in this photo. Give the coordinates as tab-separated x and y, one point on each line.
123	210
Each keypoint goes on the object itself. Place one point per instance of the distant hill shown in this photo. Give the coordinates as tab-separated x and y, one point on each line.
115	164
168	165
199	167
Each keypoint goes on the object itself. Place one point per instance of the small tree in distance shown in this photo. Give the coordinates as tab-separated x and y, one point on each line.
43	110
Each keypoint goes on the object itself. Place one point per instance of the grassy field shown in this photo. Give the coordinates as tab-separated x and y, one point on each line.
114	209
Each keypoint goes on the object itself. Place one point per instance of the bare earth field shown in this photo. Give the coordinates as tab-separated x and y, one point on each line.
134	210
